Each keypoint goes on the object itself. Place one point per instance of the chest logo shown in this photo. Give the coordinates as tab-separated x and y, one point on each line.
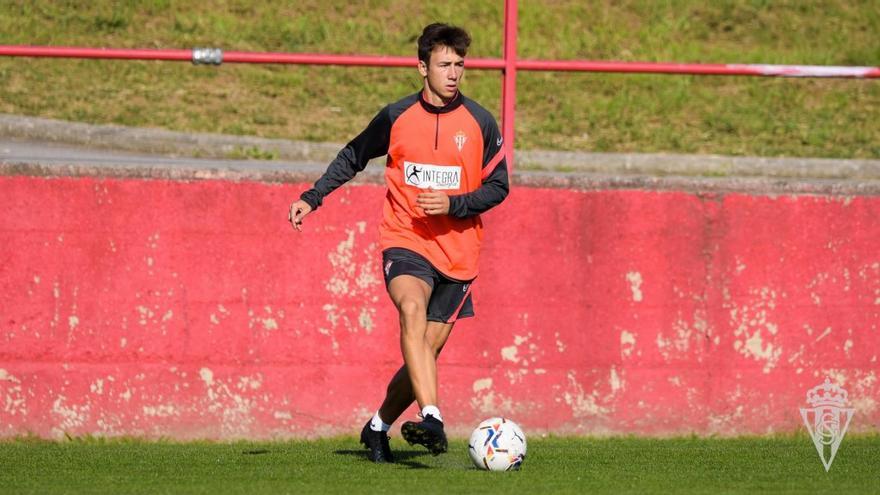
427	176
460	138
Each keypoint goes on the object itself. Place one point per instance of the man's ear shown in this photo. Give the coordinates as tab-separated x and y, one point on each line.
423	68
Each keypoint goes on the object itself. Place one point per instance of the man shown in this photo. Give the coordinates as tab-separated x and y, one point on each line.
445	167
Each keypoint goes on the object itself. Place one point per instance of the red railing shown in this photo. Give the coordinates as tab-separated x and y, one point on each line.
509	65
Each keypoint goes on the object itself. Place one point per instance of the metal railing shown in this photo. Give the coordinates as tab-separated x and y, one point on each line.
509	65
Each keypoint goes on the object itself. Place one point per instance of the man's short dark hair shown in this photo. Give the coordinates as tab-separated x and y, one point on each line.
439	34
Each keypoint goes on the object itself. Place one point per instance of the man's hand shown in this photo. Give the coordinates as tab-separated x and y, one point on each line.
433	202
298	211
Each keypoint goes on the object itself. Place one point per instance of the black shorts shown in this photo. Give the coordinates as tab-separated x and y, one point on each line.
450	299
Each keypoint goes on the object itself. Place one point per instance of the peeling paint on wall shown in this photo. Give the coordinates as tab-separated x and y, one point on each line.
681	316
750	321
12	396
635	285
583	404
627	343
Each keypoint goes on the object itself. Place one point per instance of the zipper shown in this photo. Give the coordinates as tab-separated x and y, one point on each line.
437	132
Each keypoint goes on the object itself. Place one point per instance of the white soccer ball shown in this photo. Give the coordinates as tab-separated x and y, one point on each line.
498	444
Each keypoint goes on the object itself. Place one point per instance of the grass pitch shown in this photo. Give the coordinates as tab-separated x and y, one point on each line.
554	465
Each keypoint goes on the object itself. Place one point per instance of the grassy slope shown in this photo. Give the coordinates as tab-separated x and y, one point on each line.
592	112
554	465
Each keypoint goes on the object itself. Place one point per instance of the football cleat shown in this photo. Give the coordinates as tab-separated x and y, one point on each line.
428	432
377	443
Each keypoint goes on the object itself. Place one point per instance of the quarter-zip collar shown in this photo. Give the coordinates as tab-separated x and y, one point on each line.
452	105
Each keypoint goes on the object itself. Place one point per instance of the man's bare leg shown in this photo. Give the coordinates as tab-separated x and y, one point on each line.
398	397
411	294
400	394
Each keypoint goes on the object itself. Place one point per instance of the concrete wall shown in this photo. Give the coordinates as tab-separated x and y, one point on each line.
191	309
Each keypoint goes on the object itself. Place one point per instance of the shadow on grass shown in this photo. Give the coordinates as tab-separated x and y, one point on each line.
401	457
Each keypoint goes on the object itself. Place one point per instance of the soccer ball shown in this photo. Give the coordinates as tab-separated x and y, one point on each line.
498	444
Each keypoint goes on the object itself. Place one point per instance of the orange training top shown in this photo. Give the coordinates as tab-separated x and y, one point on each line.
456	149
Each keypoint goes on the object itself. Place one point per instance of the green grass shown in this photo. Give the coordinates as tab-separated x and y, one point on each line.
252	153
589	112
786	464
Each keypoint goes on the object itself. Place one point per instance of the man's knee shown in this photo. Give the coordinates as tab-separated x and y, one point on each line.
412	307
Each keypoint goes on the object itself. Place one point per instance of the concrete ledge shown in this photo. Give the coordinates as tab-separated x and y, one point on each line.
203	145
159	141
747	185
374	175
700	165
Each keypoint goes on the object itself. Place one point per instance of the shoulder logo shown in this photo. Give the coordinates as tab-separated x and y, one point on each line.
499	141
460	138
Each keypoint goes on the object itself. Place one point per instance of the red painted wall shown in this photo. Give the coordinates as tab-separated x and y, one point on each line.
192	309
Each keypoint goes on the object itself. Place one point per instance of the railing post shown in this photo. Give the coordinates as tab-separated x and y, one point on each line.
508	91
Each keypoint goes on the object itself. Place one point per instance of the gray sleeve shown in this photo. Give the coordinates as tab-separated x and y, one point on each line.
369	144
491	192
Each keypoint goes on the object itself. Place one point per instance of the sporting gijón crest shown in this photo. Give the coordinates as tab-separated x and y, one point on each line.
460	138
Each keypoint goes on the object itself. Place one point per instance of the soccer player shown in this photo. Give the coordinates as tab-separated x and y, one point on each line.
445	166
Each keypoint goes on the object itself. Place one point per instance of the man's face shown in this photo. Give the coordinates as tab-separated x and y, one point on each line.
442	73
